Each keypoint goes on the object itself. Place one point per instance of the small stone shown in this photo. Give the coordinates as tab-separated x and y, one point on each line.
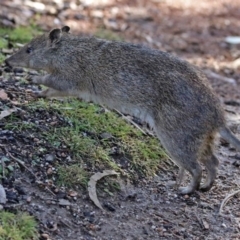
64	202
145	231
72	193
18	70
109	206
7	69
106	135
49	158
29	199
45	236
7	51
205	224
224	225
97	14
49	171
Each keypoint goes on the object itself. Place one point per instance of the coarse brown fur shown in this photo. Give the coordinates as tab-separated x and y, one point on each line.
171	95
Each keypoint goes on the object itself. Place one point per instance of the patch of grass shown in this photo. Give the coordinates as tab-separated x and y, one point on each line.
19	34
16	35
20	226
3	42
87	123
108	34
2	58
20	126
74	174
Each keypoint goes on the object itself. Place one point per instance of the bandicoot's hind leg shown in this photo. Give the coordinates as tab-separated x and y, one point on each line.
211	164
194	168
184	151
180	177
186	159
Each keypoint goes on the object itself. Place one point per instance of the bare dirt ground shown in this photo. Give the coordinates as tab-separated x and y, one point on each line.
150	209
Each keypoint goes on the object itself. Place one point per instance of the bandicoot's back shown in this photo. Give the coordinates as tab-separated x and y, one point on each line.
170	94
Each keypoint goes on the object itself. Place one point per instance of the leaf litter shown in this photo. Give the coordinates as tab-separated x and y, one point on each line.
92	185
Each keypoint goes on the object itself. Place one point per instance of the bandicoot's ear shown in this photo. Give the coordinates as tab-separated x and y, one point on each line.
55	35
66	29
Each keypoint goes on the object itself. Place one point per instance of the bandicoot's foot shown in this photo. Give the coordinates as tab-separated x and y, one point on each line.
186	190
205	187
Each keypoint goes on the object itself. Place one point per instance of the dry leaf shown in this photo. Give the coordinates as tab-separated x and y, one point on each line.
232	40
92	185
6	113
3	95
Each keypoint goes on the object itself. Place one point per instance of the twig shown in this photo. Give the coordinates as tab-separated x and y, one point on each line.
226	199
211	74
129	120
46	188
29	170
21	163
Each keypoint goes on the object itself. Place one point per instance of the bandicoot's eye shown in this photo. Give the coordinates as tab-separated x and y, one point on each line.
29	50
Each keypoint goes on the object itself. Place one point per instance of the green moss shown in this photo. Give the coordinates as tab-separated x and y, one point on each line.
108	34
2	58
3	42
73	175
19	34
88	122
20	226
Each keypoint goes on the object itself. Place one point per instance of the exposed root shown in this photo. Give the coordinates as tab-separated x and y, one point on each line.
145	132
226	199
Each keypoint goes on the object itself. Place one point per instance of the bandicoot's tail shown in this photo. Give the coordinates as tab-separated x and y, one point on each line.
228	136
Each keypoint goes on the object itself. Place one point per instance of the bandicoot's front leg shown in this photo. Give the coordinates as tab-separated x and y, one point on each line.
46	80
50	92
50	81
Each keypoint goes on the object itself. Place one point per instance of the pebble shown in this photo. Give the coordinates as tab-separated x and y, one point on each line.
49	171
49	157
109	207
224	225
18	70
7	69
106	135
64	202
45	236
7	51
